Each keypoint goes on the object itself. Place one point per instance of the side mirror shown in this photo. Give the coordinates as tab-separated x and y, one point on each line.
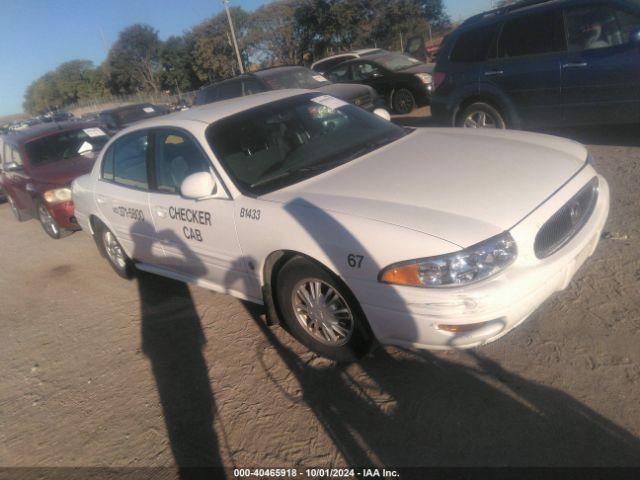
199	186
375	75
12	167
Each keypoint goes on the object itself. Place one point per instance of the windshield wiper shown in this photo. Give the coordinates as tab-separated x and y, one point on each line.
283	174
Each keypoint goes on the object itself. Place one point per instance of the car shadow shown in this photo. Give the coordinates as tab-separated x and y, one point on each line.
172	339
418	409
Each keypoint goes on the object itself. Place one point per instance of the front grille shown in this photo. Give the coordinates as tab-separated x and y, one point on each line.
567	222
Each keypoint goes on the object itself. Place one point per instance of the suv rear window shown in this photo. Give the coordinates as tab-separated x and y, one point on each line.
533	35
474	45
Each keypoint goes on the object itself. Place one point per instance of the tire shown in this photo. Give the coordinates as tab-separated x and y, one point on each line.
47	222
336	329
403	101
481	115
109	246
16	211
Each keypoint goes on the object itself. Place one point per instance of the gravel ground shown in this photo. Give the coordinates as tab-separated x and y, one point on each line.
99	371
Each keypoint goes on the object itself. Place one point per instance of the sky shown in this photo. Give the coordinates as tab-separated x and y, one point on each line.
38	35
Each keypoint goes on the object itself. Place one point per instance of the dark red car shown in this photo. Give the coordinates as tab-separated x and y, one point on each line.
37	167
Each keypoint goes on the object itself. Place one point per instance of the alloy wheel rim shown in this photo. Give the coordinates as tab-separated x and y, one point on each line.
114	250
322	312
47	221
480	119
403	101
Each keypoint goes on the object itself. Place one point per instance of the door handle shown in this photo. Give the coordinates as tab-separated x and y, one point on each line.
161	212
493	73
575	65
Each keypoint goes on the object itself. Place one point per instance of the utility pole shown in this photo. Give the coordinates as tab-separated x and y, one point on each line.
233	35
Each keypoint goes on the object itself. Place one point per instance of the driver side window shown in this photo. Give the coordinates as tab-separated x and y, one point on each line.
364	71
176	157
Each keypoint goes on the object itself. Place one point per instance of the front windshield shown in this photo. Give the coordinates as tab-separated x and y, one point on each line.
60	146
293	78
397	62
284	142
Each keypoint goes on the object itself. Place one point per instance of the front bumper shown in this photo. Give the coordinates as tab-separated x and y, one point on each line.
63	214
413	317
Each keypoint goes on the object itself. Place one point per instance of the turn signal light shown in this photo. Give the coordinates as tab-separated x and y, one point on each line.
403	275
461	328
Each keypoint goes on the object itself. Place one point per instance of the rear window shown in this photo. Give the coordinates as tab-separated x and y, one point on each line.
533	35
65	145
135	114
474	45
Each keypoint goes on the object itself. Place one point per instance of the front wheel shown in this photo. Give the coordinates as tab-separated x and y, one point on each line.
111	249
49	224
15	210
321	312
403	101
481	115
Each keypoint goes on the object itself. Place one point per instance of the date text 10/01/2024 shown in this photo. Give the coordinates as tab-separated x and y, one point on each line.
315	473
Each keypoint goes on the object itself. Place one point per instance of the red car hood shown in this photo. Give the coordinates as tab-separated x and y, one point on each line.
63	172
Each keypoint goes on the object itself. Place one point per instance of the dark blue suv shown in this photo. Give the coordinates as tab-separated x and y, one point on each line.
540	63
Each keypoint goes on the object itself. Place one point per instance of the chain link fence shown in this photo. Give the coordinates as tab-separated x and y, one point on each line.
113	101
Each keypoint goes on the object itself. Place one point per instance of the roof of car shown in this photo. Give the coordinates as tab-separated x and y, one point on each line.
212	112
496	14
44	129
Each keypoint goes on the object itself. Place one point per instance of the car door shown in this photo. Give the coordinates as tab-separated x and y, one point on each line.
122	196
526	66
601	75
372	74
198	237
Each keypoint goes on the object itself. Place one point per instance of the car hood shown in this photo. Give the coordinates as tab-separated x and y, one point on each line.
459	185
63	172
346	91
421	68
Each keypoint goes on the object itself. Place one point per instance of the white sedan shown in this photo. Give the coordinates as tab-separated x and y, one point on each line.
348	228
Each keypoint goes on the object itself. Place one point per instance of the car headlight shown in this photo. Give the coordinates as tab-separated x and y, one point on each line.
57	195
425	78
460	268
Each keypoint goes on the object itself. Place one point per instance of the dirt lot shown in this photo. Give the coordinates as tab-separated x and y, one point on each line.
101	371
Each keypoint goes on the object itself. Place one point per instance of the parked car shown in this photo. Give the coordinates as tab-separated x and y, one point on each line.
348	228
544	63
38	166
402	81
278	78
327	63
116	119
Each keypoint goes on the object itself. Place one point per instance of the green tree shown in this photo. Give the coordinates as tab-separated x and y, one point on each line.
133	63
176	61
271	36
213	54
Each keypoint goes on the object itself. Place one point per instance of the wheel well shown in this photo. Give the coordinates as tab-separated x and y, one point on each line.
94	222
274	262
479	98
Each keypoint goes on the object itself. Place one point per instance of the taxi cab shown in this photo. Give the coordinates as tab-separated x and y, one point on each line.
348	228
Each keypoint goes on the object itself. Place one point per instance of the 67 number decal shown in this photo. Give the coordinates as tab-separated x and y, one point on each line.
355	261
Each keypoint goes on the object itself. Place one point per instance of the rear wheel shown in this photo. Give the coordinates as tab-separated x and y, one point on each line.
403	101
111	249
49	224
321	312
481	115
